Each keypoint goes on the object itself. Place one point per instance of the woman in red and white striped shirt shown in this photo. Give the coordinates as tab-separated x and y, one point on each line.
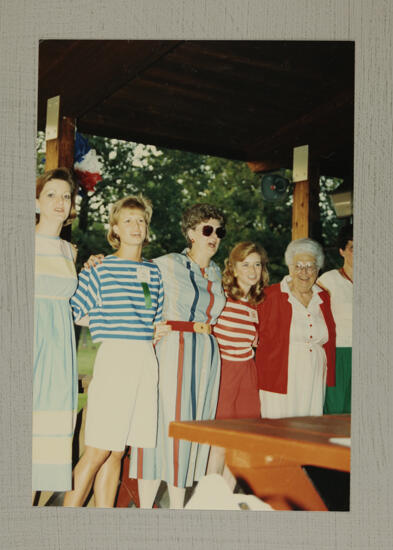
244	279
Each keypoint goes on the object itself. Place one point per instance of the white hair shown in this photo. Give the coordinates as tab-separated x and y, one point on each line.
304	246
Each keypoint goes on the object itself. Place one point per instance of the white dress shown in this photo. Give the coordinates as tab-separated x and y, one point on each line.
341	298
307	363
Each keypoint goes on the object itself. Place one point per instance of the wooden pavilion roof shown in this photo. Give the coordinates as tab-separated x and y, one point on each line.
246	100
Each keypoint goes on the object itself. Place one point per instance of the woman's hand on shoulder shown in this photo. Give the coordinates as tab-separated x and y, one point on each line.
93	261
160	329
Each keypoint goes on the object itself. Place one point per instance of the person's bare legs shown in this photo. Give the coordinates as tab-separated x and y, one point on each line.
84	473
107	480
216	461
147	489
216	465
229	478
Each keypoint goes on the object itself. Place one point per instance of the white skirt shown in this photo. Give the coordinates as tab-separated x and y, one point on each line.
306	385
122	396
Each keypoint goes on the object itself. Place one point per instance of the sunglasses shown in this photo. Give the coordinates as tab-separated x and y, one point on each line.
207	230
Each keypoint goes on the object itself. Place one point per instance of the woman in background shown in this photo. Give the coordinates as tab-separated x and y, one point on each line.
55	378
339	284
296	350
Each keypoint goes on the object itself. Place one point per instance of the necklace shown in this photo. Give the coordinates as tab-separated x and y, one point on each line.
204	274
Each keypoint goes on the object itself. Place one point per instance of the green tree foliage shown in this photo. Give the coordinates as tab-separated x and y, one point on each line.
174	180
331	225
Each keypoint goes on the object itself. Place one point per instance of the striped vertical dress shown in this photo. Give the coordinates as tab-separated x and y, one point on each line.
189	371
55	379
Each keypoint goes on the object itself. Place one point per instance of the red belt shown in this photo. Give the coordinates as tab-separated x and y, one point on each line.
189	326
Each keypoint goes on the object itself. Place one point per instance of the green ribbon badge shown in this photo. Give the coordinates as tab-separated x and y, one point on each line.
146	293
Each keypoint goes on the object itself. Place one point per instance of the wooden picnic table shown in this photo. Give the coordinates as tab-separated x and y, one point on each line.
269	454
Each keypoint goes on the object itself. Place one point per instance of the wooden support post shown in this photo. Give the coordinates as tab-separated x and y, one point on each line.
60	151
306	219
60	139
300	209
301	193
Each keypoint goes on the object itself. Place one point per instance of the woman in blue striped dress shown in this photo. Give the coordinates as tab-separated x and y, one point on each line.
55	378
189	361
122	297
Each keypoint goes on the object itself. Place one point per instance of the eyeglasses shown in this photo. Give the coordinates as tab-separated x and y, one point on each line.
309	267
207	230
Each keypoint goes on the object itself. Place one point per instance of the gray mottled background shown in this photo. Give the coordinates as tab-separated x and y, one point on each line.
370	24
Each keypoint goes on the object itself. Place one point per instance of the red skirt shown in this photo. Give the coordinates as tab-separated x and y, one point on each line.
238	395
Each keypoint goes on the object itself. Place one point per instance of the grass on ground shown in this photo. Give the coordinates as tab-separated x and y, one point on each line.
86	355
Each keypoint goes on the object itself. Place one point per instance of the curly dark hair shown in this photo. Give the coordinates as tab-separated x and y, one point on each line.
58	174
200	212
238	254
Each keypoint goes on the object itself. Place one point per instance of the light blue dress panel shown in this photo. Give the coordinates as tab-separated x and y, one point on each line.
55	379
189	371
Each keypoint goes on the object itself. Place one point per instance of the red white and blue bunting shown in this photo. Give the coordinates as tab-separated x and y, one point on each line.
87	166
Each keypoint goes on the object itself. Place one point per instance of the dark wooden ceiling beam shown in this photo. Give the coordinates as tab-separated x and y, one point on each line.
168	124
151	99
255	88
304	61
53	53
319	125
176	118
327	129
143	134
232	93
217	73
247	100
92	70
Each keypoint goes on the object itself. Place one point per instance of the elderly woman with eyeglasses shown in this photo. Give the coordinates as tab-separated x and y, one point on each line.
296	350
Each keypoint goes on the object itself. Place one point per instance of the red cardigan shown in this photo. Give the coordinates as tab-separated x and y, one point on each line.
275	315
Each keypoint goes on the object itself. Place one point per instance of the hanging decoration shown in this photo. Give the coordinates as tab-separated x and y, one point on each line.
87	167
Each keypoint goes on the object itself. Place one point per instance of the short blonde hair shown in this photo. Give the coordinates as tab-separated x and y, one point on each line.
238	254
132	201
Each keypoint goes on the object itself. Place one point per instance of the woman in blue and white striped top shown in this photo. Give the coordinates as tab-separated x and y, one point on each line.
122	298
113	296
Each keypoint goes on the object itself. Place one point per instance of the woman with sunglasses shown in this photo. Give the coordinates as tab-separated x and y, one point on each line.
188	357
296	350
